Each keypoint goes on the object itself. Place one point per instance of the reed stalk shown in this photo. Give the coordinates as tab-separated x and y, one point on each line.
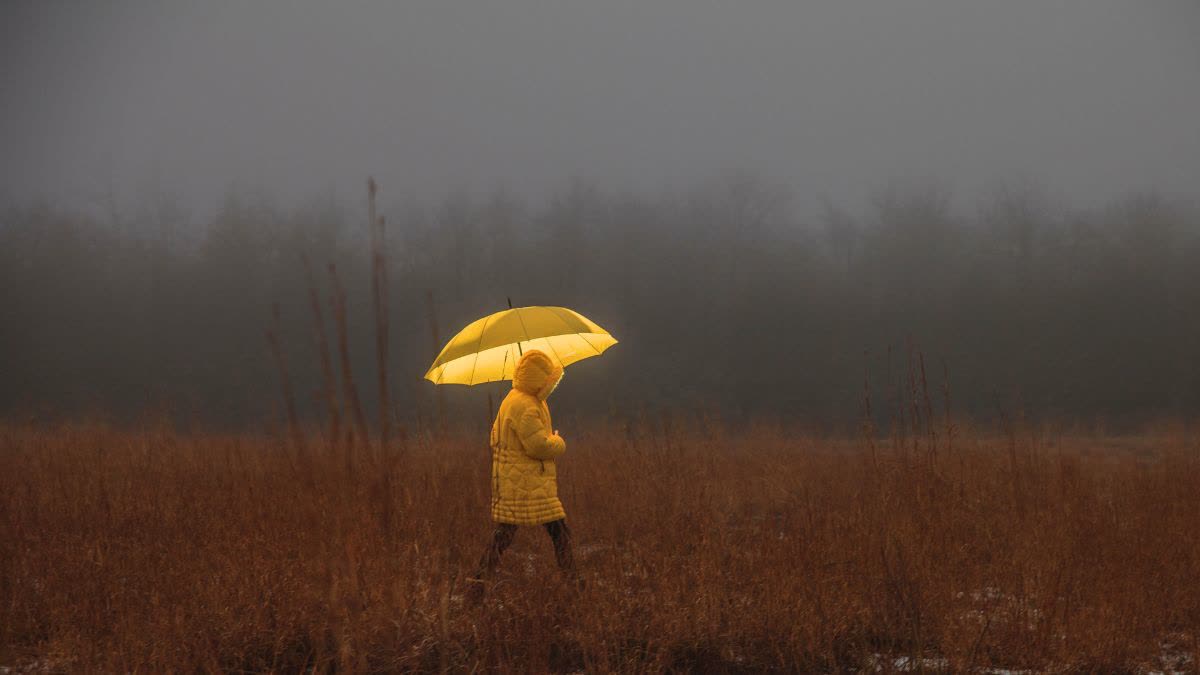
379	300
285	380
349	389
440	397
328	380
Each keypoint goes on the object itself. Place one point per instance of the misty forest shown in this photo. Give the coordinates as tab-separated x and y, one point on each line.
724	298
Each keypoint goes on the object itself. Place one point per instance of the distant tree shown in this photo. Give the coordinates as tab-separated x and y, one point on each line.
915	245
841	232
1015	215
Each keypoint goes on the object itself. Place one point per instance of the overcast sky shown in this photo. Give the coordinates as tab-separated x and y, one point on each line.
1091	97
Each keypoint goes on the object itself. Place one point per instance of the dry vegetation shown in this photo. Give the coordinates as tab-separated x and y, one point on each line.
710	549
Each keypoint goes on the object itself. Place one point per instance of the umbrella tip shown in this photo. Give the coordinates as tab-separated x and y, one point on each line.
509	302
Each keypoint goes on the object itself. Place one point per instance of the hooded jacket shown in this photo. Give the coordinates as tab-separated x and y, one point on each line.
524	447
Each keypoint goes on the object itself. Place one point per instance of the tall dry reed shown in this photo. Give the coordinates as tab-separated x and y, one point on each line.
704	549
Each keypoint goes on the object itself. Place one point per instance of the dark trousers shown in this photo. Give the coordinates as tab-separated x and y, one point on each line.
503	537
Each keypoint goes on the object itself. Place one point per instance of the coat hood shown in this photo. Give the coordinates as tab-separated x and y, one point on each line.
536	374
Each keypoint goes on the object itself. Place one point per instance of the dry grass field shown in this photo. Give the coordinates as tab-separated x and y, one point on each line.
703	550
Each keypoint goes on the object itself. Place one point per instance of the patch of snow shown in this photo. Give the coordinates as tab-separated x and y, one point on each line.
38	666
908	664
1172	660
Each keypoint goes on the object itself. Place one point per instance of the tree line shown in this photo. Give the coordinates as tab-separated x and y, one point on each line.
726	301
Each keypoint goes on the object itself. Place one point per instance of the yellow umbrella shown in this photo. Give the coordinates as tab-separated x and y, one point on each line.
488	349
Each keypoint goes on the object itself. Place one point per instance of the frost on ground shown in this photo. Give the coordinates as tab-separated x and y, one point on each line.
36	666
880	663
1173	660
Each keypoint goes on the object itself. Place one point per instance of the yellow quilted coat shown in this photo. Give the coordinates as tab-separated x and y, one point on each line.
524	446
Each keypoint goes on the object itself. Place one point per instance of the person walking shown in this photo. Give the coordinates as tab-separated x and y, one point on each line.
524	472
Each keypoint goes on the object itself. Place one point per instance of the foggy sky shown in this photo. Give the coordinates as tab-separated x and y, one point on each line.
1090	97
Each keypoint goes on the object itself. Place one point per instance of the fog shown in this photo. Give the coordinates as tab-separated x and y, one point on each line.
1088	97
780	209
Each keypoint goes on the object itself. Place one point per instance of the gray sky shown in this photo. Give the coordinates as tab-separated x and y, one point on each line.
1091	97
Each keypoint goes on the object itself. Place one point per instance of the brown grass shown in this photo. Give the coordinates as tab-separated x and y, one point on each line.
705	551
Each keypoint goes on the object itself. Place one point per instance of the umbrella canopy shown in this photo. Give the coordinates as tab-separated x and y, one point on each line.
488	349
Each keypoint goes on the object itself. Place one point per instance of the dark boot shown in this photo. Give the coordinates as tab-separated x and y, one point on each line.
560	534
502	538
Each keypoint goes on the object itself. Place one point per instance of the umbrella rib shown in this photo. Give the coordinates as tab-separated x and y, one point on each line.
547	338
524	331
551	345
570	329
559	316
558	313
475	363
589	343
